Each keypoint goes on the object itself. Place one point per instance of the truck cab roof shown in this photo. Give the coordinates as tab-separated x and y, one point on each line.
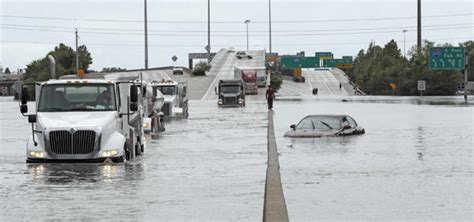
77	81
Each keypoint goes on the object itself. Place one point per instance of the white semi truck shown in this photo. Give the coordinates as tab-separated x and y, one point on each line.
84	120
176	101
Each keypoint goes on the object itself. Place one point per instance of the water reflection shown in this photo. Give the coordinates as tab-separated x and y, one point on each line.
77	173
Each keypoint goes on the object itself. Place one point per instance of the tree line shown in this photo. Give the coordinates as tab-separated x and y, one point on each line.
385	71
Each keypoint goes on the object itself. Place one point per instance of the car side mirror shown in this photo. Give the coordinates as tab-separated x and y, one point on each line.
133	94
23	108
133	107
24	95
347	127
293	126
32	118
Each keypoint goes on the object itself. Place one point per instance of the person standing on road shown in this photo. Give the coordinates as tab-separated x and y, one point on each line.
340	86
269	95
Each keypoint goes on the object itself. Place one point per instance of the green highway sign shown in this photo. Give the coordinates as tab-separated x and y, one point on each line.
336	62
446	58
309	62
289	62
347	57
324	55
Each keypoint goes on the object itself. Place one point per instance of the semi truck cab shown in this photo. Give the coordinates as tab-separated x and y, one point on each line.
82	120
231	93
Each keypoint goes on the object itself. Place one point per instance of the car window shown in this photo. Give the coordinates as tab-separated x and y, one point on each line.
305	124
326	122
352	122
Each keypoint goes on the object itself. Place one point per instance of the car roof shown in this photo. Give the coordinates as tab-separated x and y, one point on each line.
327	115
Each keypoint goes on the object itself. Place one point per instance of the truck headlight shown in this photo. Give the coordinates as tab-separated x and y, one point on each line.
241	100
36	154
219	101
146	125
108	153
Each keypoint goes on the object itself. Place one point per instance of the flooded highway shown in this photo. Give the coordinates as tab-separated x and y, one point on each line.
209	167
415	162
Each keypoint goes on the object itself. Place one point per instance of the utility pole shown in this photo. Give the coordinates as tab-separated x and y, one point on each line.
419	28
270	23
465	75
404	46
208	47
247	23
77	54
146	38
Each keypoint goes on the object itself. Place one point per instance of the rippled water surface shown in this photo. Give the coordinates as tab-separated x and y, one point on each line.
209	167
415	161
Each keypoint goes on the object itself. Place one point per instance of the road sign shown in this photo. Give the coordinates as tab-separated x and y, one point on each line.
290	62
470	86
324	55
309	62
446	58
80	73
421	85
392	85
347	57
344	66
174	58
335	62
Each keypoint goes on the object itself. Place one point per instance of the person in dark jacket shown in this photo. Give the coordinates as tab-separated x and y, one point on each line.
269	95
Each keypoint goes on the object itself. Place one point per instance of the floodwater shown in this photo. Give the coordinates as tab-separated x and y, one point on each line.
415	161
209	167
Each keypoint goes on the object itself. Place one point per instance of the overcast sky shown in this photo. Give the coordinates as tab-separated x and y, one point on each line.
178	27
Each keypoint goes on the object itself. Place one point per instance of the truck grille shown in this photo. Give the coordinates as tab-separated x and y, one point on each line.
65	142
230	100
166	109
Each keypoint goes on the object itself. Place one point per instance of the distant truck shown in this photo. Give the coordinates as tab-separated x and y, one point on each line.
176	101
249	76
84	120
231	92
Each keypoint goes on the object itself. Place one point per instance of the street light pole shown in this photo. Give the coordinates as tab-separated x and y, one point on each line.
270	23
418	42
247	23
208	48
404	48
77	54
146	38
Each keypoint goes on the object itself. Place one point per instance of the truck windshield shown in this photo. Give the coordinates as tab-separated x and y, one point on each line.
230	89
167	90
77	97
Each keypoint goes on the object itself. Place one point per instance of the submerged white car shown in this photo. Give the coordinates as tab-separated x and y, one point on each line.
325	125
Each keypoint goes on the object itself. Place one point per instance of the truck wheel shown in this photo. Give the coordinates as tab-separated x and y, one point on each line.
127	152
138	148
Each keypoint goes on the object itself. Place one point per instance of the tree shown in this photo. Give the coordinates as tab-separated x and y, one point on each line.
38	70
375	69
7	71
201	68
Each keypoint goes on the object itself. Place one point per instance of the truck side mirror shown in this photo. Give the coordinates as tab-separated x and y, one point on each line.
24	95
23	108
133	94
133	107
32	118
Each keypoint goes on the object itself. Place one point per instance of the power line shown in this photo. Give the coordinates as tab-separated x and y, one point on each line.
241	35
65	28
234	22
218	45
